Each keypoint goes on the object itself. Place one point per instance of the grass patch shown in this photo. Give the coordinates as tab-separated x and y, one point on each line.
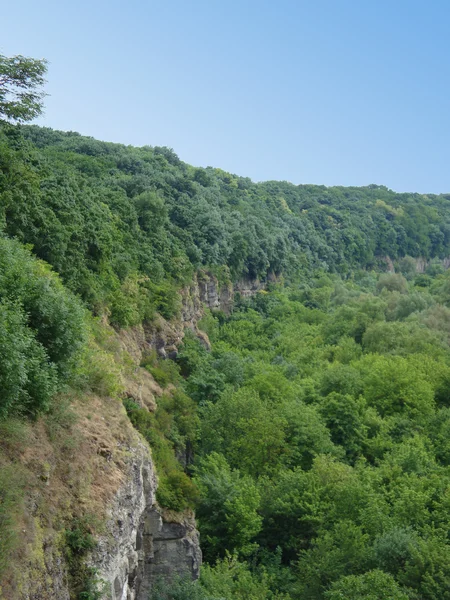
12	487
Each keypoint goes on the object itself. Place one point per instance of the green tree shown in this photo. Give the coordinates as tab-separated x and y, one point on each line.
231	579
344	416
21	79
27	379
393	385
341	551
227	511
373	585
250	434
392	549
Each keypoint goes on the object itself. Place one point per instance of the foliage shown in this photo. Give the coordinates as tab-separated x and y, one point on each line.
42	331
180	589
228	579
175	489
163	371
228	507
20	81
373	585
126	227
335	448
232	579
313	438
79	541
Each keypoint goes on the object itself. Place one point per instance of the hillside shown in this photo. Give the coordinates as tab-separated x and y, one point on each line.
107	217
272	357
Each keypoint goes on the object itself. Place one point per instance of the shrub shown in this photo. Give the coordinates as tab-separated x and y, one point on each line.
79	541
164	371
27	378
374	585
42	330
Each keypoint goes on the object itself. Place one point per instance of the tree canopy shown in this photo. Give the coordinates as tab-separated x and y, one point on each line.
21	80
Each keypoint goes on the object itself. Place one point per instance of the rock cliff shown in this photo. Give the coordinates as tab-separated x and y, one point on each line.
204	291
99	465
141	543
416	265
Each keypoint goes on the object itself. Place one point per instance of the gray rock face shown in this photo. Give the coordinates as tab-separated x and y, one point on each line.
169	549
141	543
165	337
420	264
206	290
139	546
221	297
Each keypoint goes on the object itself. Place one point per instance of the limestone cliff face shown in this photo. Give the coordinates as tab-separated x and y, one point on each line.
141	543
169	548
420	264
205	291
108	473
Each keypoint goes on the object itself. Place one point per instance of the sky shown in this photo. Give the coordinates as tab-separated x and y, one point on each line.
332	92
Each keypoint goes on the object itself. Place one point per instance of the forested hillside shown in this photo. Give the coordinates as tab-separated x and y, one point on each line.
124	226
310	437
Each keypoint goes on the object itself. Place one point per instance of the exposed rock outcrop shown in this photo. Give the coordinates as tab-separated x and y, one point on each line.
419	264
165	336
107	471
141	544
422	264
168	549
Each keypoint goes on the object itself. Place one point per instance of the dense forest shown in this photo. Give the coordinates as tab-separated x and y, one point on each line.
315	430
125	227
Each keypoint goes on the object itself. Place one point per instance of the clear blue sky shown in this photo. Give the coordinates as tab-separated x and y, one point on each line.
335	92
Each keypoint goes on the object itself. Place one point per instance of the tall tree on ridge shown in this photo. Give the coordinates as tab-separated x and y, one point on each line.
21	80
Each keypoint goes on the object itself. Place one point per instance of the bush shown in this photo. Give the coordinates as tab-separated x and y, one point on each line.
53	313
180	589
164	371
42	330
27	378
79	541
374	585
